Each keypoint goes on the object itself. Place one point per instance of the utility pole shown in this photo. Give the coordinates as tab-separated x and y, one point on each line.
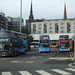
20	15
74	47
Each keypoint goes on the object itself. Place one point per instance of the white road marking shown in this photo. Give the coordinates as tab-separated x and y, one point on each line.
33	57
6	73
43	72
61	72
16	61
24	73
71	69
60	58
29	62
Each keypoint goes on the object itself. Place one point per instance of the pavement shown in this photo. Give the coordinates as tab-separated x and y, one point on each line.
71	65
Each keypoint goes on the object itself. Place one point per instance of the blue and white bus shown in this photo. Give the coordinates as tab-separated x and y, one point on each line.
64	43
12	43
44	43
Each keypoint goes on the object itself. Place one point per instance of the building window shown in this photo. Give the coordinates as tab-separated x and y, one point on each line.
62	23
62	27
34	25
39	28
50	24
39	24
56	28
50	31
34	30
68	27
50	27
45	28
39	32
62	31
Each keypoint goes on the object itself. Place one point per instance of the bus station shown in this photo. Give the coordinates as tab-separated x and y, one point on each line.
54	44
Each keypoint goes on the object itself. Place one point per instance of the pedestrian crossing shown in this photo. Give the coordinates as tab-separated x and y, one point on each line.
66	71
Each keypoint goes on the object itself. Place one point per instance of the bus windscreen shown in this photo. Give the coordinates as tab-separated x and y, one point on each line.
64	45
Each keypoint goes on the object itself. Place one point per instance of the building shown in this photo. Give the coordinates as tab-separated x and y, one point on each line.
4	23
52	26
15	21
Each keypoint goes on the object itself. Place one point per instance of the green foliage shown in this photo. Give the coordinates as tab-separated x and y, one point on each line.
17	29
24	29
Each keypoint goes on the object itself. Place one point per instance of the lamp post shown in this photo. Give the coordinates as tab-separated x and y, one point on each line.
20	15
74	47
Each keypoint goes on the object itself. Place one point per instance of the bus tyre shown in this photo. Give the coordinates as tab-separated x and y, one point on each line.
24	52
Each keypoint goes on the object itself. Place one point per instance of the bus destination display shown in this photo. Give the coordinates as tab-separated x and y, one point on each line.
44	41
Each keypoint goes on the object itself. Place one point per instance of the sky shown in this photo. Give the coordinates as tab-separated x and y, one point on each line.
47	9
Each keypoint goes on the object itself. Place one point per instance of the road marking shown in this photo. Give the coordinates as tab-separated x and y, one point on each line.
43	72
24	73
51	57
29	62
60	58
21	62
4	59
71	69
6	73
16	61
61	72
44	54
33	57
71	57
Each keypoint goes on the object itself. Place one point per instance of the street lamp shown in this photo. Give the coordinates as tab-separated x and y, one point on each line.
20	15
74	47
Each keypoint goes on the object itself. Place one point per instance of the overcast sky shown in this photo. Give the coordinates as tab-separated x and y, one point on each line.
48	9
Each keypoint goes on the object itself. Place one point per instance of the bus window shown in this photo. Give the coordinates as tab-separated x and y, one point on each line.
6	47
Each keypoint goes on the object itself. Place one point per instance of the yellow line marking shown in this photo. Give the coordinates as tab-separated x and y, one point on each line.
4	59
51	57
71	57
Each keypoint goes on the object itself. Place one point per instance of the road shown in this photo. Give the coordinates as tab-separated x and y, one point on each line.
35	63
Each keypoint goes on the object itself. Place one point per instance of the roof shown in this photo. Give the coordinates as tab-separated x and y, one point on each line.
52	36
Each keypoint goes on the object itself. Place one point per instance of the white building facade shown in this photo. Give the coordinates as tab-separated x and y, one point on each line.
53	26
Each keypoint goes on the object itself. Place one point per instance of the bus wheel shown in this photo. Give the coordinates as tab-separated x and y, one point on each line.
24	52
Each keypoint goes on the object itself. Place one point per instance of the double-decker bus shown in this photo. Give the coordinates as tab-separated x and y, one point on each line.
44	43
64	43
12	43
